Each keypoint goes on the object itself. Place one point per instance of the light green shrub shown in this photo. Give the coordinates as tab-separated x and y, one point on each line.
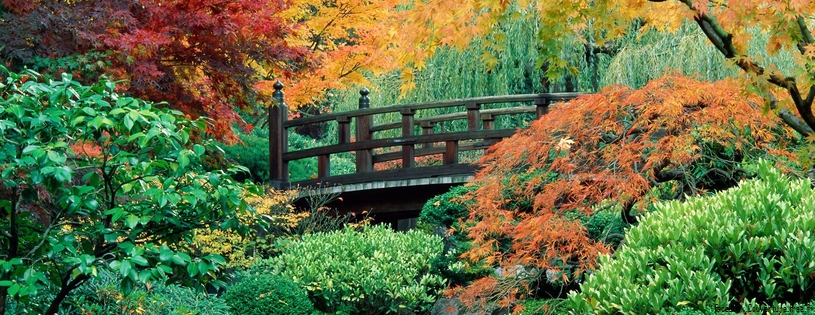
752	243
264	294
373	271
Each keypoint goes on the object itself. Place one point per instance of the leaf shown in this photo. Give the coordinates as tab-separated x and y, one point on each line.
131	221
199	149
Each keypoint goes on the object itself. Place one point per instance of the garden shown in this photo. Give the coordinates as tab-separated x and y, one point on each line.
134	158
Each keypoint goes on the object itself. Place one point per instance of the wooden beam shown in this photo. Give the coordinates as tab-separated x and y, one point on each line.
390	142
552	97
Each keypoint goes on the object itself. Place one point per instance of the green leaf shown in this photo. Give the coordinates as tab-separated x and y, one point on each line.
12	290
166	253
183	160
199	149
128	122
56	157
141	261
131	221
124	268
192	269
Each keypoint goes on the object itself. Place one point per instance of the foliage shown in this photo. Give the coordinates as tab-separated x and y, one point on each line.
66	213
193	54
373	271
102	295
541	306
241	251
447	209
263	294
750	243
307	168
606	150
751	307
599	26
443	215
252	153
343	38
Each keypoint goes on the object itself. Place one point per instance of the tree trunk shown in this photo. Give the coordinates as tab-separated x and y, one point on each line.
67	287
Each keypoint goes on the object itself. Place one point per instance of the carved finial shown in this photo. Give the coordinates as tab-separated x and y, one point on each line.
364	101
278	85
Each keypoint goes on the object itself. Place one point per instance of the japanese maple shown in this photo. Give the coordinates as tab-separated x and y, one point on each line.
194	54
607	150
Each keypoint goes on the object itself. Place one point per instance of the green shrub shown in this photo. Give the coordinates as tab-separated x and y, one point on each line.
751	243
541	306
264	294
253	153
446	209
440	214
103	295
373	271
751	307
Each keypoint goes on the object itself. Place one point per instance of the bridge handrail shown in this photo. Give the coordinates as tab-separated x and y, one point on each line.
390	142
495	112
364	144
483	100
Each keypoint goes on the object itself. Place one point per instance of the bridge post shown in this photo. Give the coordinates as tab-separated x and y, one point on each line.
541	106
364	122
427	128
472	115
408	152
278	139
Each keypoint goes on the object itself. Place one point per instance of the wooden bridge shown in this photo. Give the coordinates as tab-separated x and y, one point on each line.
397	195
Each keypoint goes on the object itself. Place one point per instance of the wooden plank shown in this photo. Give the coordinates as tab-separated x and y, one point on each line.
323	166
427	105
343	129
457	116
408	157
363	155
473	117
488	121
468	146
394	174
390	142
451	152
278	170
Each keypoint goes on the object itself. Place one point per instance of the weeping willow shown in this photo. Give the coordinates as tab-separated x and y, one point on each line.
637	59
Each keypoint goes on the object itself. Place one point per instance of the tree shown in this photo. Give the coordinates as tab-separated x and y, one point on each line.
66	213
617	149
596	24
344	38
194	54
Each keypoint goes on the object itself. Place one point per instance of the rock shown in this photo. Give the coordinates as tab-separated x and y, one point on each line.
445	306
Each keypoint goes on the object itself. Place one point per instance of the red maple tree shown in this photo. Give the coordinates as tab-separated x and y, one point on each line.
196	55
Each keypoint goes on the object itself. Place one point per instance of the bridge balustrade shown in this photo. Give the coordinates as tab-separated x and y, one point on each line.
481	133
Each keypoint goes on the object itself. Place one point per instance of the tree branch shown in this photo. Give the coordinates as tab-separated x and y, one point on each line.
724	43
806	35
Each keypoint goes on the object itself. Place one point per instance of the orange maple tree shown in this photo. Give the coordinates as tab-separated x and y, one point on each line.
344	38
609	149
729	26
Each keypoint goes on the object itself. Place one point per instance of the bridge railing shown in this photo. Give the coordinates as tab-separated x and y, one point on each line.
481	132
